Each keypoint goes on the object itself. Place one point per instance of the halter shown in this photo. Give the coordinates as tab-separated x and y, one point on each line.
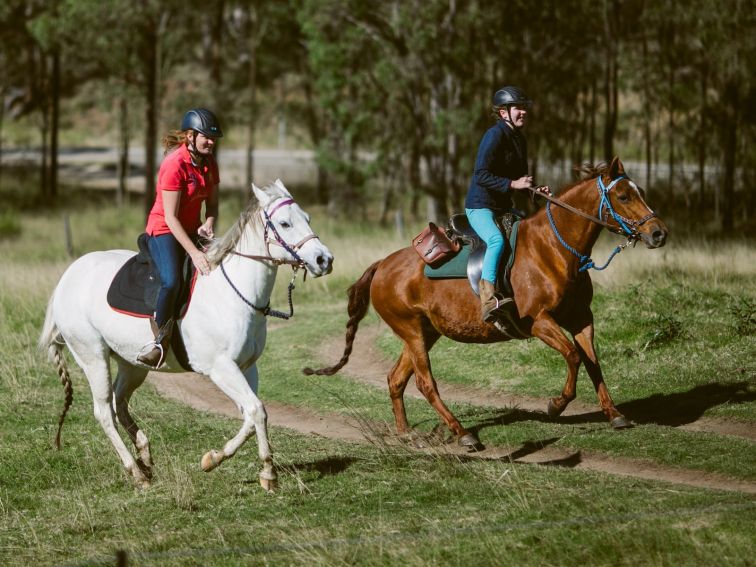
296	263
627	227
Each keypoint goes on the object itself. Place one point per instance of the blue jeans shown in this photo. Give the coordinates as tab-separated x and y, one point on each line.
168	257
483	223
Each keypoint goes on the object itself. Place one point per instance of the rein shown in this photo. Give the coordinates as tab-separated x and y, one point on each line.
627	227
597	220
296	263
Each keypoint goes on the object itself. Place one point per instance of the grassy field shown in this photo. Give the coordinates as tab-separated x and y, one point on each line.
675	331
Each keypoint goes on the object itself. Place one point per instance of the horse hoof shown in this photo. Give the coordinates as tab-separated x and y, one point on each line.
211	459
554	410
469	441
621	422
269	484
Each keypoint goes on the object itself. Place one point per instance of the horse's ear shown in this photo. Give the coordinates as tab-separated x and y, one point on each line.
616	168
262	196
281	186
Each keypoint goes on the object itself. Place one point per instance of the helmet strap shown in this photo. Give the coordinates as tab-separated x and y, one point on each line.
192	146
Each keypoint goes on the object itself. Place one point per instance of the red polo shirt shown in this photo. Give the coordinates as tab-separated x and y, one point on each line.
178	173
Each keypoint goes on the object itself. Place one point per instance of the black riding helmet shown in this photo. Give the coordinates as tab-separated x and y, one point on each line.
202	121
509	96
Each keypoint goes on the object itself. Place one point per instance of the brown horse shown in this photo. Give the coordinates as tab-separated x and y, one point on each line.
551	291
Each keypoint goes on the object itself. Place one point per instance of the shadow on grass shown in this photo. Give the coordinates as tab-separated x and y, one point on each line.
327	466
673	410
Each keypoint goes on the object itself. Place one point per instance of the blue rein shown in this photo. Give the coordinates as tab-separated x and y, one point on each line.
586	263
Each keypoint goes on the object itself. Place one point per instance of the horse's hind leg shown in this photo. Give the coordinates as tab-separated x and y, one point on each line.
584	343
97	371
240	388
129	378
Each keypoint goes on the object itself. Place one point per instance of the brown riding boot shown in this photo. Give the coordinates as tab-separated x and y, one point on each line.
493	305
159	349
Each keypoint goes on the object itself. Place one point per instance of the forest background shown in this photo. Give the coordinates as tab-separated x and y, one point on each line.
393	96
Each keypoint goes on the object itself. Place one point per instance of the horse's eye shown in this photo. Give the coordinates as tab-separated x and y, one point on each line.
623	198
285	224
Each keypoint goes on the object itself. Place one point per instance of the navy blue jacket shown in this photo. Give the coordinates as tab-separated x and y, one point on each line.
502	157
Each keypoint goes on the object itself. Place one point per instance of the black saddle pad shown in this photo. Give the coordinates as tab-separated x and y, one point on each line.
135	288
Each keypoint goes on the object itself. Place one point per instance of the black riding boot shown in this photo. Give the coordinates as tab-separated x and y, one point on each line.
159	349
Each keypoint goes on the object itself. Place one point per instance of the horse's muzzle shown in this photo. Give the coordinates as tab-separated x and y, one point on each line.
656	235
324	265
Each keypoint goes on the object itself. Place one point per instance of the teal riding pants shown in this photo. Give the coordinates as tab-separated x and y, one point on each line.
483	223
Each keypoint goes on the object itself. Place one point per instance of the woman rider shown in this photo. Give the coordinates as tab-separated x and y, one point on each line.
500	168
187	178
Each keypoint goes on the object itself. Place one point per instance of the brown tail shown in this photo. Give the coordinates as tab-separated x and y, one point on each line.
359	302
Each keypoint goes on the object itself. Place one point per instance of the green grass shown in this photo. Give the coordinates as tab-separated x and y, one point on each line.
345	504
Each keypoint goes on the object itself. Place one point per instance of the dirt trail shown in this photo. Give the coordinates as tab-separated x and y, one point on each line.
368	365
199	392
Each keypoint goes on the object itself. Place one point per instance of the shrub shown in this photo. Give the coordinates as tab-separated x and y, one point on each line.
663	330
10	225
743	311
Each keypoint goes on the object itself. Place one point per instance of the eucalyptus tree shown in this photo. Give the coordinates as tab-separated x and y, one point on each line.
728	41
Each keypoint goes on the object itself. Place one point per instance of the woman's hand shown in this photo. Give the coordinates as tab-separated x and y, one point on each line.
524	182
206	230
200	262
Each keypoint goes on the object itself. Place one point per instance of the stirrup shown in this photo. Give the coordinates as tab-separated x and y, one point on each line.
503	309
152	346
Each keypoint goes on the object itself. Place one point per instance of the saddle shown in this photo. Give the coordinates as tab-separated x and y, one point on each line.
469	261
135	288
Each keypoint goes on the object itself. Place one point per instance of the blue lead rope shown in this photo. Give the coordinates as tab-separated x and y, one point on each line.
586	263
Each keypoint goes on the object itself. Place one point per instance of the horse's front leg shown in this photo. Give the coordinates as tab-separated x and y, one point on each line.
240	388
584	343
546	329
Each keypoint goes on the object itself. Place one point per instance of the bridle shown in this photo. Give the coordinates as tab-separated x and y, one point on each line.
625	227
277	239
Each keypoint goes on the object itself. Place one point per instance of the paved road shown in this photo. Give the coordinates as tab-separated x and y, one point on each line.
95	167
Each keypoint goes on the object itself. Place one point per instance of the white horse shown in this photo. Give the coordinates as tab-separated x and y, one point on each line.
224	328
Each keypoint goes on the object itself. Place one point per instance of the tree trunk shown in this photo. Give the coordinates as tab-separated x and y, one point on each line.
592	122
646	113
732	105
2	122
152	108
54	122
414	179
123	151
610	78
671	136
45	149
702	137
216	64
252	45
